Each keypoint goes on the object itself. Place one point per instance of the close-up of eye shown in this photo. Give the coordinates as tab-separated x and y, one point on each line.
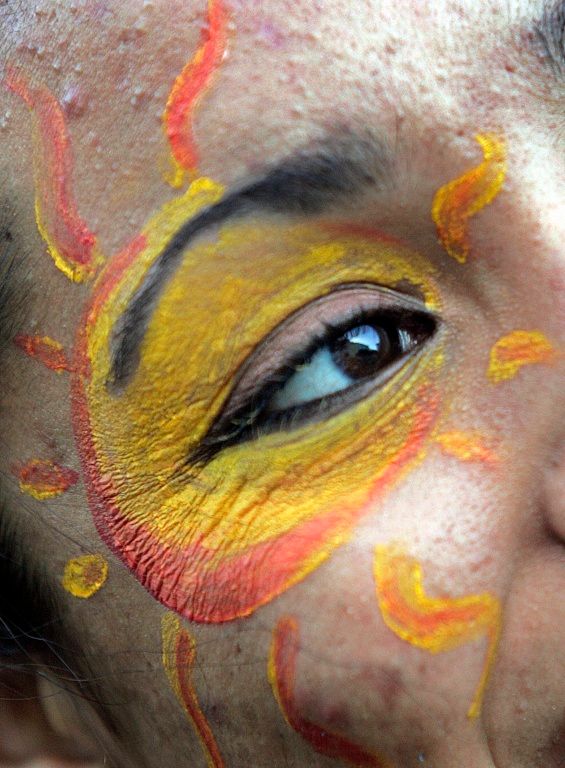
327	356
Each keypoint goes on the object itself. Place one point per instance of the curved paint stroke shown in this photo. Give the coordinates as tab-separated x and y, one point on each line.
431	623
468	446
45	350
69	241
517	349
188	89
179	656
282	672
459	200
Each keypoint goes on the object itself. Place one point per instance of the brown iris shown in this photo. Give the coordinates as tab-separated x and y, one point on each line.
362	351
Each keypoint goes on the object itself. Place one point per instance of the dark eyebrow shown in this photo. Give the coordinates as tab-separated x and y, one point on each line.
307	183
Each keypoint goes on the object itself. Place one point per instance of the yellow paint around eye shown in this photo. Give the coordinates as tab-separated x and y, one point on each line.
431	623
517	349
461	199
85	575
215	541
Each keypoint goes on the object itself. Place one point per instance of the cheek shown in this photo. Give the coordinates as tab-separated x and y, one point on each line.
215	541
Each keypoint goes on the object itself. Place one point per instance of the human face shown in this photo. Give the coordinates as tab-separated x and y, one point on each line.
292	360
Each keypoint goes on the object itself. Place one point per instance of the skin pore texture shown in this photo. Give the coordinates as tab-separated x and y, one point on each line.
374	584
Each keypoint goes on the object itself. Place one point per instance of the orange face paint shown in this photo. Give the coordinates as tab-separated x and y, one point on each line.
85	575
45	350
467	446
69	241
44	479
189	87
179	657
215	542
517	349
433	624
282	671
459	200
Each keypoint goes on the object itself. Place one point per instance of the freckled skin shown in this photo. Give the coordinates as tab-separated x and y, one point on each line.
427	78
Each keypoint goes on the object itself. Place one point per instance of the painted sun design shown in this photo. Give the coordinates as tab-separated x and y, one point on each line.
214	542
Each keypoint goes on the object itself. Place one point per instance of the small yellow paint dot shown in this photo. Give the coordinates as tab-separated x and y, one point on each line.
85	575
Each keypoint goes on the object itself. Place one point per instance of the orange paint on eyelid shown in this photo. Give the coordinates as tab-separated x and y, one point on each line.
84	576
189	87
69	241
467	446
179	657
459	200
214	543
282	672
45	350
516	350
44	479
431	623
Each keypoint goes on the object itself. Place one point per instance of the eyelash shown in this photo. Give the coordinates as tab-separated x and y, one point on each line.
250	418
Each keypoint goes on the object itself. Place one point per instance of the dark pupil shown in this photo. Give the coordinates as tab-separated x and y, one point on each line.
361	351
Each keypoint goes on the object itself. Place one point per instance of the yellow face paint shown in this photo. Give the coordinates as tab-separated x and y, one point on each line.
179	657
467	446
214	542
85	575
431	623
459	200
517	349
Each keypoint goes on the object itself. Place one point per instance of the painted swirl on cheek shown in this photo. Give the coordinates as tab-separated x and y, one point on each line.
459	200
431	623
215	541
189	87
179	657
282	672
69	241
516	350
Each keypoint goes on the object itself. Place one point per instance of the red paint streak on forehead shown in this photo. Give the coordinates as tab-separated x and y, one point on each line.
47	351
62	227
191	84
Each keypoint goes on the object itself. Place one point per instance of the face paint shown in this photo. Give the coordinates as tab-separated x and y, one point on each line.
517	349
45	350
431	623
282	670
456	202
69	241
189	87
179	657
85	575
214	542
44	479
467	446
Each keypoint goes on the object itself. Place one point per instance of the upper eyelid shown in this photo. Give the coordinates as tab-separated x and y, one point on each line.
389	298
